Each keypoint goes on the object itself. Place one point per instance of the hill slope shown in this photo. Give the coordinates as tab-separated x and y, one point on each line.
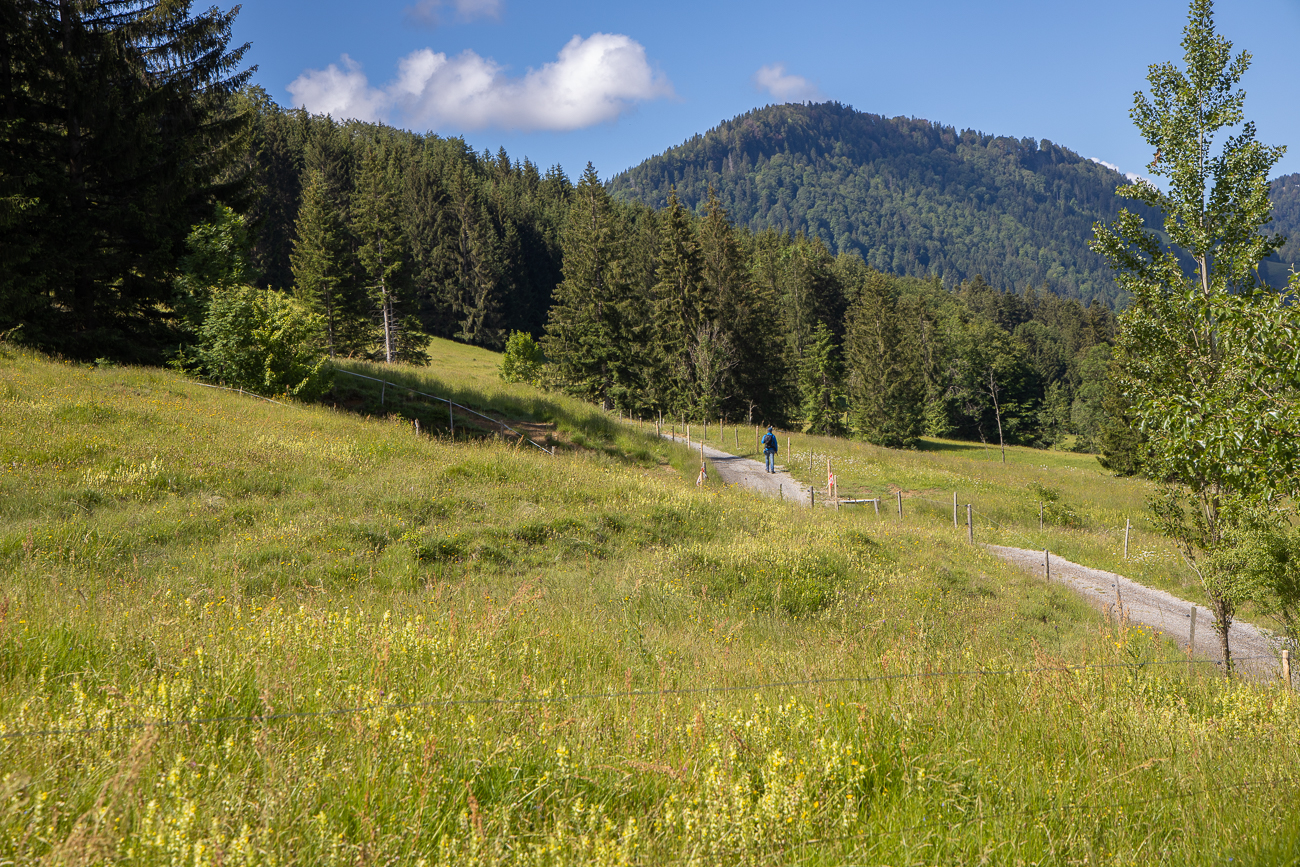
237	631
911	196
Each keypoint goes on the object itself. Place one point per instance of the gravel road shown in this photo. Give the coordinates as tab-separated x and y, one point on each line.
1254	651
752	474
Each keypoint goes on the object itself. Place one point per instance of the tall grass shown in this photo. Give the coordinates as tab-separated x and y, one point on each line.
1084	506
234	632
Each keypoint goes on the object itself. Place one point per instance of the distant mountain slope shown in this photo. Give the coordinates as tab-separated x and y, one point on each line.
912	197
1286	219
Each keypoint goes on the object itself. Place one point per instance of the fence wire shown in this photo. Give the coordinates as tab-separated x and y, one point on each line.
389	707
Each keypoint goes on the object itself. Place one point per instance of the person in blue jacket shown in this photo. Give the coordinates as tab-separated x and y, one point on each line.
770	449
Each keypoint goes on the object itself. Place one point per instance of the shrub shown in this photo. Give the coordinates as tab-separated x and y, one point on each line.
523	359
264	341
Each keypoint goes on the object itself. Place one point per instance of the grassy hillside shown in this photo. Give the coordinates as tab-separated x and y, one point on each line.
1084	508
237	632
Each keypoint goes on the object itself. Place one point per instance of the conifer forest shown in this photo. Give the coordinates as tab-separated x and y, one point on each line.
657	294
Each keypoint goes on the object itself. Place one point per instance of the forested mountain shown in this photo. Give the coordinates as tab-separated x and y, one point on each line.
911	197
1286	221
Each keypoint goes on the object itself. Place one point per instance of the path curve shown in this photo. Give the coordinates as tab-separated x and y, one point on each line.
1254	650
749	473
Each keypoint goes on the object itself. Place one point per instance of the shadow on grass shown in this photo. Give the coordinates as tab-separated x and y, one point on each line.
927	445
547	418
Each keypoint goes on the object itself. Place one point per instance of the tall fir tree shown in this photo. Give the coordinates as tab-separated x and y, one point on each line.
819	384
120	134
593	336
476	286
885	377
684	337
324	279
383	255
746	313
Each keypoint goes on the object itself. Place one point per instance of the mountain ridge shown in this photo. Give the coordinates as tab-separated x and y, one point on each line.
914	197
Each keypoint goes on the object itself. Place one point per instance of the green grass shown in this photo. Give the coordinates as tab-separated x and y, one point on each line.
489	655
1083	523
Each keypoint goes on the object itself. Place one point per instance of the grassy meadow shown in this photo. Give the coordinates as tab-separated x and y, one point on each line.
1084	507
234	632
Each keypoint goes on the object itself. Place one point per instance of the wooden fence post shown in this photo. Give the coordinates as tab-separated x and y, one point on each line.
900	504
876	503
970	526
954	510
1047	565
1126	527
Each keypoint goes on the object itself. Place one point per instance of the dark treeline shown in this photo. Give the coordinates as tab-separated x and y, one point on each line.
689	316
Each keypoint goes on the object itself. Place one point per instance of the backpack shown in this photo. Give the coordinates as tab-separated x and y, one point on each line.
769	442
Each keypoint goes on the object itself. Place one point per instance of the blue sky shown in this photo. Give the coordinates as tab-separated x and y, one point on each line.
614	83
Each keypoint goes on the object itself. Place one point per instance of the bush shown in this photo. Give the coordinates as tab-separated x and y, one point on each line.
263	341
523	359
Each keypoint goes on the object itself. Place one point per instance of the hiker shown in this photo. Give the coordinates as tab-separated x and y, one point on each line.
770	449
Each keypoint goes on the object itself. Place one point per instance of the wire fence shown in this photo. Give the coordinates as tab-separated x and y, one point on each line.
243	392
610	695
450	404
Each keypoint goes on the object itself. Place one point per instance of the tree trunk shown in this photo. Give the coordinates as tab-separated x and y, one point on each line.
388	328
1222	624
997	412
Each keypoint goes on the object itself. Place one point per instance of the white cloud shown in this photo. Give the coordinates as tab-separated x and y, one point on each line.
592	81
786	88
338	92
1133	177
430	12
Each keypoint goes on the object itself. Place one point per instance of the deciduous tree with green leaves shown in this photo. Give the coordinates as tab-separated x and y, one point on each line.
1208	358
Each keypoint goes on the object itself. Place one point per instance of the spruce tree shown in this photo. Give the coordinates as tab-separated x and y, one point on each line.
747	316
382	252
886	381
322	272
121	133
684	334
819	384
592	334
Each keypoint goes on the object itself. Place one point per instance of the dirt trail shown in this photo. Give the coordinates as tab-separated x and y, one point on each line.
1254	651
752	474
